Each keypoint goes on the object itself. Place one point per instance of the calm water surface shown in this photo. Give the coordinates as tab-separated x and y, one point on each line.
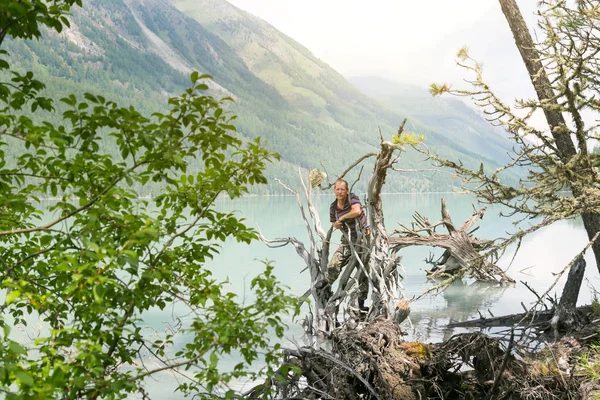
542	254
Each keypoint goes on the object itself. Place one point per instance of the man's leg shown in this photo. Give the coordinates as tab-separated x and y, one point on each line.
339	259
363	287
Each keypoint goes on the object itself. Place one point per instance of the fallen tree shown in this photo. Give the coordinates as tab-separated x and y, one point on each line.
371	256
375	363
377	254
462	253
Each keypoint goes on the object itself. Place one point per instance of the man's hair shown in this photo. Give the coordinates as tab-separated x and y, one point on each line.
343	181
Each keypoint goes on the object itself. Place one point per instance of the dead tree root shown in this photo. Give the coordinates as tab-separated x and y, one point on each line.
376	363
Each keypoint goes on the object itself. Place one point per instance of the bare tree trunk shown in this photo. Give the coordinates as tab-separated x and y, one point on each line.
564	144
539	78
564	315
591	222
381	262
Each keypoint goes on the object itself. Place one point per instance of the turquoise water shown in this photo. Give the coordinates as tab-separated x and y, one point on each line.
541	255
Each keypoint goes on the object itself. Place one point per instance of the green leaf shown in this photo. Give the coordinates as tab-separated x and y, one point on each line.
214	359
24	378
16	348
58	377
12	296
296	370
99	290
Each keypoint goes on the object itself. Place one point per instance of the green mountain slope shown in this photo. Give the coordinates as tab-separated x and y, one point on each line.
311	85
302	79
141	52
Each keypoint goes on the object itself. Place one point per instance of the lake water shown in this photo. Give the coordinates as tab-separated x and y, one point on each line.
542	254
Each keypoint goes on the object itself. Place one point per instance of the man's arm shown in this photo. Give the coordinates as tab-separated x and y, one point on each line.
354	212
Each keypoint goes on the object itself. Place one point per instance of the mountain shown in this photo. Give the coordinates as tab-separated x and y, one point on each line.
140	52
309	84
461	124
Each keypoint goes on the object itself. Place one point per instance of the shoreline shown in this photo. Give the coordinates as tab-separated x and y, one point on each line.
149	197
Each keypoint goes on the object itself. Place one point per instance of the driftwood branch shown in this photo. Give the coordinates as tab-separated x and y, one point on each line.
315	259
370	256
507	356
385	288
304	219
311	208
540	319
350	168
298	245
461	256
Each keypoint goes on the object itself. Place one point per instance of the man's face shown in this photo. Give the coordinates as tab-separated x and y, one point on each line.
340	190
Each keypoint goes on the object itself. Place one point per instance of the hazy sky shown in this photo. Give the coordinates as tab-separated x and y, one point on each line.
410	41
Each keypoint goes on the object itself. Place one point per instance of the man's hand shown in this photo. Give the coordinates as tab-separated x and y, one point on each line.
338	224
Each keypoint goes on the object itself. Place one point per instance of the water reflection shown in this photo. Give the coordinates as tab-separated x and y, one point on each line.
542	254
463	301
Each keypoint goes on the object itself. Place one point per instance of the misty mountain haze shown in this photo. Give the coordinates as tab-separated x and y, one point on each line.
459	122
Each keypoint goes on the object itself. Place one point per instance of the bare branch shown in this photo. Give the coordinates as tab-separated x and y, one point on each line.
343	174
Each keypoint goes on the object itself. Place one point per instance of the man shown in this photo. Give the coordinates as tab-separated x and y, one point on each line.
346	214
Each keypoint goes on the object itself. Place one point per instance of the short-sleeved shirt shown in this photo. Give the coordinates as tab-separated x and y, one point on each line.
335	213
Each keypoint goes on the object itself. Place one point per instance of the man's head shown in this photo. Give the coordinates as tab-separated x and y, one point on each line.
340	189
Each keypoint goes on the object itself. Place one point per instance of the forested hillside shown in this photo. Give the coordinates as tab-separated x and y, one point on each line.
141	52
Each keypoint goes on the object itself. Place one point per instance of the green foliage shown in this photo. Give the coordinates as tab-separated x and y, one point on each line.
23	19
88	265
409	138
588	364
